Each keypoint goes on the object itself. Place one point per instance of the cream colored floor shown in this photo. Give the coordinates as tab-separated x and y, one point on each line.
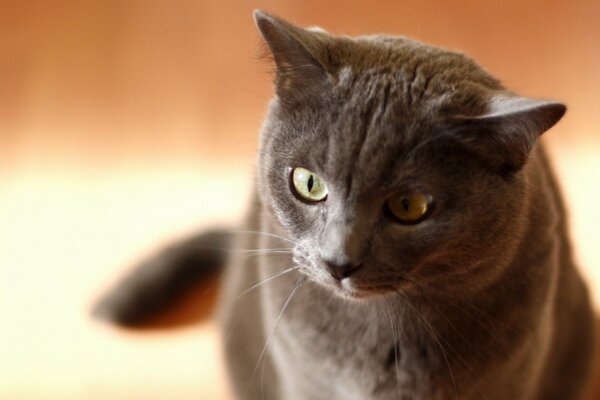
126	124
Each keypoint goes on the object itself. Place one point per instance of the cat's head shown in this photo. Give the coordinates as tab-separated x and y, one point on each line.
392	163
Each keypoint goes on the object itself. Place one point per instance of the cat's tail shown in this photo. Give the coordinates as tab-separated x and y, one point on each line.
162	280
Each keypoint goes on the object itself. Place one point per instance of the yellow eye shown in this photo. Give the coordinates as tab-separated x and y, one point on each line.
308	186
410	208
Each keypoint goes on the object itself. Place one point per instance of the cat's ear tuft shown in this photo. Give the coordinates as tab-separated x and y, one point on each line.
300	56
507	132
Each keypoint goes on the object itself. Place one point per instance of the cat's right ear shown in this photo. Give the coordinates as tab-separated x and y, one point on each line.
300	57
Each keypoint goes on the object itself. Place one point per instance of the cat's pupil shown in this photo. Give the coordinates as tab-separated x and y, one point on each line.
405	203
310	183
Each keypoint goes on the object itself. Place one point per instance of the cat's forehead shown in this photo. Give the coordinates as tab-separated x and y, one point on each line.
369	137
418	74
391	95
385	96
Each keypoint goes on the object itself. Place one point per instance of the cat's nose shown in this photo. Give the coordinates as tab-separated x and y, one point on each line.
341	271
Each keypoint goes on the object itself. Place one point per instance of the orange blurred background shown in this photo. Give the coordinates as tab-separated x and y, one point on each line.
126	124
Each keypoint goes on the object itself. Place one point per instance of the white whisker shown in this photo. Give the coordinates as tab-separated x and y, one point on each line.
240	251
435	337
395	337
299	283
267	234
278	274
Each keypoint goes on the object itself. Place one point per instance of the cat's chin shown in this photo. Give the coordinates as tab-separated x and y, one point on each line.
348	289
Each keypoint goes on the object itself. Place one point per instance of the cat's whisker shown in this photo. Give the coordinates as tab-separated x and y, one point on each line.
248	252
420	288
434	336
268	253
278	274
487	326
395	337
459	334
227	335
260	251
239	251
270	234
466	365
298	284
362	341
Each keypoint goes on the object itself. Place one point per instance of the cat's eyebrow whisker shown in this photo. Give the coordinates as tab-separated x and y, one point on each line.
298	284
278	274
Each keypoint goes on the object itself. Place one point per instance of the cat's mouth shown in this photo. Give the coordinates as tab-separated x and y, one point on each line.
352	288
347	287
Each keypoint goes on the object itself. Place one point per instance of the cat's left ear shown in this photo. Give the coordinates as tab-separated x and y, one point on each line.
301	56
507	132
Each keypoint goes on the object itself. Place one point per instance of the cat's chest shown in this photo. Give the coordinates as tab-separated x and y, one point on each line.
327	346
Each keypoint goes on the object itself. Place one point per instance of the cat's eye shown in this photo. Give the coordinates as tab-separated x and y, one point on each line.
307	185
409	208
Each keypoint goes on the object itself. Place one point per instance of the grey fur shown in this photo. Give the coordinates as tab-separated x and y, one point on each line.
479	301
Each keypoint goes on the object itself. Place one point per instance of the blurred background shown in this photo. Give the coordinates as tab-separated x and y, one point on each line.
126	124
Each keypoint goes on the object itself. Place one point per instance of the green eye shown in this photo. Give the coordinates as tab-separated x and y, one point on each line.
308	186
409	208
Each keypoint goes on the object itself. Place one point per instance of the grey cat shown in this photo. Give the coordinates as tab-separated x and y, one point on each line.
416	239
